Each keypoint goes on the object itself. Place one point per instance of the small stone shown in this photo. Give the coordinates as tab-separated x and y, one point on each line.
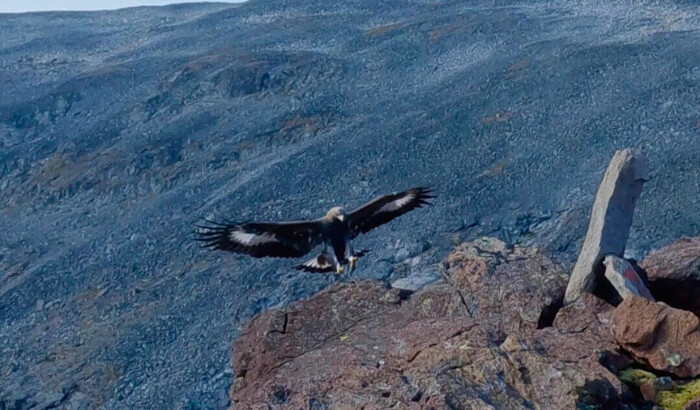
415	281
648	391
674	360
664	383
401	255
624	278
40	305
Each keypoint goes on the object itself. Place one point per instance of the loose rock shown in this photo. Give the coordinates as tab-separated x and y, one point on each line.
624	278
679	260
674	274
666	338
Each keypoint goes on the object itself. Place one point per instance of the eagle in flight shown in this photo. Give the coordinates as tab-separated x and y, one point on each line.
295	239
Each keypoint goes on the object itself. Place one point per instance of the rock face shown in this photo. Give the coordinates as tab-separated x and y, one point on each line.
366	346
667	339
677	261
674	273
505	288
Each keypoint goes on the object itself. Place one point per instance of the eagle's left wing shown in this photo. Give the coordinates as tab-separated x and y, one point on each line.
387	207
261	239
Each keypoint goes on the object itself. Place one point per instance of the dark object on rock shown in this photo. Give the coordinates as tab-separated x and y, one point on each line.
598	394
335	231
674	274
611	219
362	345
666	338
624	278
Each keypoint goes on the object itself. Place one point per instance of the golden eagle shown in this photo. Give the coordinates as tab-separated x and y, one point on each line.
335	231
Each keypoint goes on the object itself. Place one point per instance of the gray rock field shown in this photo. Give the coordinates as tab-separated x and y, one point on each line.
118	130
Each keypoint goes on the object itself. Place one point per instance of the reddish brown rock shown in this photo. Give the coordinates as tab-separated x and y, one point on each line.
693	405
351	345
674	274
679	260
506	288
364	346
586	314
666	338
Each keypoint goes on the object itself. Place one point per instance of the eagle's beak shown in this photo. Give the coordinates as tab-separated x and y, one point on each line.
341	218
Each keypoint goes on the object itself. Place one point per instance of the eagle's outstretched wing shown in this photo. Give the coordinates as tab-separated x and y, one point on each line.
260	239
387	207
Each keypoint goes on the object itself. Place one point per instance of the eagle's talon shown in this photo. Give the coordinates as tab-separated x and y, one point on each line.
339	269
353	262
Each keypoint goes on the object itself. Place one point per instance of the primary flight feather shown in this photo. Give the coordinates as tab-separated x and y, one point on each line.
294	239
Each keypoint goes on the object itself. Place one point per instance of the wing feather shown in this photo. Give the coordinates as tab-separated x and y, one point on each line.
262	239
387	207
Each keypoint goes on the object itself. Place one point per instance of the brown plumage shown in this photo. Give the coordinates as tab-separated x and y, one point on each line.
295	239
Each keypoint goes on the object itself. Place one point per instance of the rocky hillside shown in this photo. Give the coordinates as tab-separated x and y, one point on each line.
119	129
492	336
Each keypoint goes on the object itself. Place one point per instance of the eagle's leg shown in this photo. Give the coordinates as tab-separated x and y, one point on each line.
339	269
352	262
350	252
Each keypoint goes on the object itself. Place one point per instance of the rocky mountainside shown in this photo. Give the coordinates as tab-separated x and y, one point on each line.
119	129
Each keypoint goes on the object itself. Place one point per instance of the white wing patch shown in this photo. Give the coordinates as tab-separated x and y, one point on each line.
245	238
398	203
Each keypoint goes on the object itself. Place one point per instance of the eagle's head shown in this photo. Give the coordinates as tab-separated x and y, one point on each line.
336	213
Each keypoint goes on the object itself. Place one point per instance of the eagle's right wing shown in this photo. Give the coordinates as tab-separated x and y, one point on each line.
387	207
260	239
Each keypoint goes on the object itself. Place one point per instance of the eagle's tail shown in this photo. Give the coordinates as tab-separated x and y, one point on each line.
325	262
319	264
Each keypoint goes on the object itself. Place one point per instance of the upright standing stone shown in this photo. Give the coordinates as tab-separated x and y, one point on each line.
611	218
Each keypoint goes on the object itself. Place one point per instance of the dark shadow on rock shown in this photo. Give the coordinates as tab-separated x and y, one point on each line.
615	361
549	313
601	394
678	293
